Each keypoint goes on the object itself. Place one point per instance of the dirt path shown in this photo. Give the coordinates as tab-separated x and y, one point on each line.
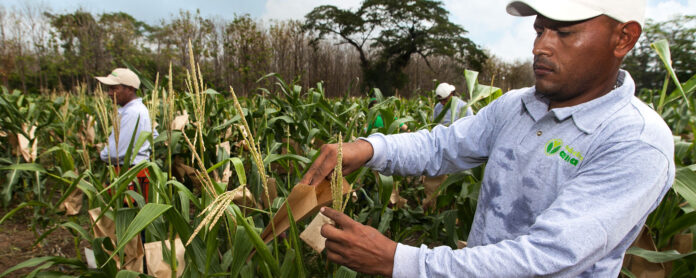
17	242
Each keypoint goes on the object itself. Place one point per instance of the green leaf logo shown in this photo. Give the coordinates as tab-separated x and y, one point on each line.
553	146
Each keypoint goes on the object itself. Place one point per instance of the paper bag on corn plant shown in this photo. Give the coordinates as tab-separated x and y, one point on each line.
682	243
396	199
105	227
156	266
23	148
303	200
87	134
179	123
73	203
641	267
244	198
312	234
431	185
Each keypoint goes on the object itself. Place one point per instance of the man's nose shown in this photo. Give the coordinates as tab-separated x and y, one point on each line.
542	44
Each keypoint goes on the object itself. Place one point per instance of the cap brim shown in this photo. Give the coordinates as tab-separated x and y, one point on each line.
560	10
108	80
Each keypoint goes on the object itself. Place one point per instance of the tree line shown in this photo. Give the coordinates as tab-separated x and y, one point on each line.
42	51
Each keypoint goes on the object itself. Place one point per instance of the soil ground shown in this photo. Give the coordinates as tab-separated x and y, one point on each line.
17	242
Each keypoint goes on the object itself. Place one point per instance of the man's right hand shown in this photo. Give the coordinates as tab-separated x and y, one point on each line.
355	155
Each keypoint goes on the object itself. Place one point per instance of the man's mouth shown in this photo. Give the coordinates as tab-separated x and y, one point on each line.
542	69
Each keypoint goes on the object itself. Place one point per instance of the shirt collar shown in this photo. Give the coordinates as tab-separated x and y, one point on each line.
589	115
130	104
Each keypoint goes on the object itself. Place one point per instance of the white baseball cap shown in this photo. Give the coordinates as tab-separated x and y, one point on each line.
576	10
444	90
121	76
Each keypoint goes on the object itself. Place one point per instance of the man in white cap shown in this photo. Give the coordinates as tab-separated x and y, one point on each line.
565	190
444	93
122	84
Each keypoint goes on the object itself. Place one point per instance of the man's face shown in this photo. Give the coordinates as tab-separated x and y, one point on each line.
119	93
572	59
444	101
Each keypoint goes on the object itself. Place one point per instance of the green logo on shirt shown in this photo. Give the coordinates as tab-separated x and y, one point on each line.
553	146
568	154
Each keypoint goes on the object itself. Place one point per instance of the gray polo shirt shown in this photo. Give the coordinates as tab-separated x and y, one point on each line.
129	113
565	191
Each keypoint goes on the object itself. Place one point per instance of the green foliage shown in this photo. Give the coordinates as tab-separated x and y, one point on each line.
396	30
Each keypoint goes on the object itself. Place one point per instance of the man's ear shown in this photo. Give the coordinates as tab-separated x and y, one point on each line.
628	33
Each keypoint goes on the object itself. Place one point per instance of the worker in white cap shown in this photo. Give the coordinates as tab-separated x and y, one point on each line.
122	85
444	93
565	190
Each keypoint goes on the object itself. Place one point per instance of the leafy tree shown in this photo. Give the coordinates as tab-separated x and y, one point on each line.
644	64
386	33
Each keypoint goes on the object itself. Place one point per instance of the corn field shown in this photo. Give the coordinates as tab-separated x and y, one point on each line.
223	167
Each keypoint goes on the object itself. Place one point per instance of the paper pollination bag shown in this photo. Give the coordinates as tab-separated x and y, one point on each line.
312	234
303	200
156	266
134	253
73	203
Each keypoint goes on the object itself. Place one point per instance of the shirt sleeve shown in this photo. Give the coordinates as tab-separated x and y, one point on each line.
463	145
127	127
594	213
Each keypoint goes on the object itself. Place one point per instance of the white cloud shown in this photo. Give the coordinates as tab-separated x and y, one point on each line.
661	10
490	26
297	9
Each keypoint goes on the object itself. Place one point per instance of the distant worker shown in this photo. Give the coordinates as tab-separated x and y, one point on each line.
134	118
379	122
444	93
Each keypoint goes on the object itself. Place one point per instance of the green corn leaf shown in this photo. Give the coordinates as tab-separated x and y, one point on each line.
21	206
239	169
685	185
25	167
662	49
242	248
386	184
145	216
344	272
657	256
261	247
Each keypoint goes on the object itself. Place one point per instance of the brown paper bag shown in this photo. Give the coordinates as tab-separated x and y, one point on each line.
134	252
73	203
431	185
682	243
28	153
179	123
396	199
312	234
640	267
244	198
303	200
156	266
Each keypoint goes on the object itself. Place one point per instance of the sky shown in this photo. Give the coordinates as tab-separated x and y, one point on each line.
489	26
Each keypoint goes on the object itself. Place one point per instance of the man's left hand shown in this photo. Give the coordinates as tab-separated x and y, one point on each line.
357	246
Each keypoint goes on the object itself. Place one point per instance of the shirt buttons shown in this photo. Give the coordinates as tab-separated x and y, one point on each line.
539	133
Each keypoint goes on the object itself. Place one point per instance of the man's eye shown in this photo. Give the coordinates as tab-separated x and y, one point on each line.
563	33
